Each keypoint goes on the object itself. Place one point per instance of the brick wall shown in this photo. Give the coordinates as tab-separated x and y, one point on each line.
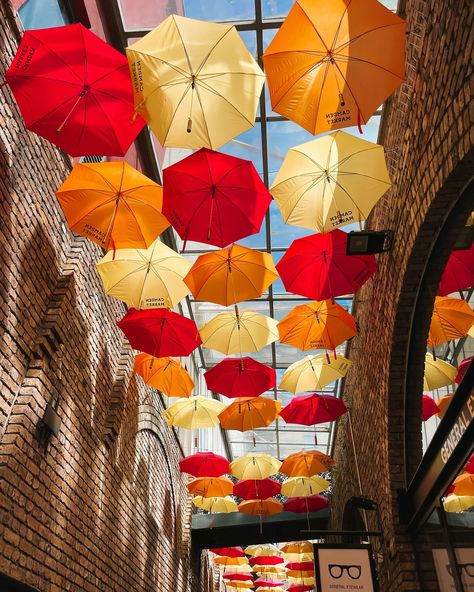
427	132
102	506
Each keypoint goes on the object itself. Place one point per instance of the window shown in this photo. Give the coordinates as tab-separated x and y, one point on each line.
41	14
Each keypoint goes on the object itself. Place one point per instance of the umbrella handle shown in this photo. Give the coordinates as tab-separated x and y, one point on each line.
189	128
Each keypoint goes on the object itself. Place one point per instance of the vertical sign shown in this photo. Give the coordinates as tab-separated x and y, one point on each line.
344	567
465	561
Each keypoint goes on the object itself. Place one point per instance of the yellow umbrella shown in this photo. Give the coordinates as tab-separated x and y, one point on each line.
458	503
304	581
438	373
264	550
215	504
299	547
271	569
195	82
330	182
195	412
297	573
145	278
246	568
288	557
303	486
254	465
239	585
231	560
237	332
267	589
313	373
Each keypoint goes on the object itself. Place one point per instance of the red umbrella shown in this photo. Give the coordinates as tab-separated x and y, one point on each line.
459	272
469	468
266	560
312	409
462	369
317	267
241	577
160	332
256	489
228	551
428	407
214	198
240	377
205	464
301	565
75	90
311	503
300	588
268	583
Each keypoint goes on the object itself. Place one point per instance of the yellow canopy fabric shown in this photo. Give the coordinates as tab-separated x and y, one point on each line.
330	182
298	547
215	505
288	557
438	373
239	585
237	332
246	568
231	560
303	486
270	569
313	373
264	550
305	581
195	82
165	374
296	573
145	278
458	503
195	412
254	465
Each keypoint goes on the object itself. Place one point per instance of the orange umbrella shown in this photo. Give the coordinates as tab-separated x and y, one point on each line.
452	318
464	484
443	404
165	374
231	560
317	325
231	275
332	64
240	585
211	486
300	573
113	204
266	507
306	463
299	547
249	413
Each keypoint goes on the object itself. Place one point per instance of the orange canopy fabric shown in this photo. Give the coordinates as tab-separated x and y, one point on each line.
211	486
231	275
113	204
332	64
299	547
317	325
452	318
306	464
249	413
266	507
231	560
165	374
464	484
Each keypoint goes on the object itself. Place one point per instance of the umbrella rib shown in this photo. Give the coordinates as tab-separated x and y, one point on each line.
175	111
81	81
356	153
123	278
212	90
311	186
135	218
347	84
201	66
344	45
338	29
91	95
103	177
198	95
169	64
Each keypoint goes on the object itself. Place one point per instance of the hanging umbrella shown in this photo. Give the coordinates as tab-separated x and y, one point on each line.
261	507
306	504
113	205
277	573
145	278
249	413
254	466
235	568
300	588
321	59
438	373
266	560
257	489
204	464
231	561
462	369
164	374
469	468
214	198
262	550
464	484
193	413
318	267
459	272
74	89
240	377
443	404
237	332
228	551
211	486
160	332
428	407
317	325
240	585
452	318
330	182
195	82
215	505
303	486
313	409
299	574
306	463
299	547
267	583
458	503
313	373
269	589
298	556
309	581
238	576
231	275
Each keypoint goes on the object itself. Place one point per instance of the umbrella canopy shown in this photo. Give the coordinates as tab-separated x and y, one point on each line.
305	504
469	468
74	89
204	464
318	267
240	585
240	377
164	374
263	550
298	556
195	412
254	466
195	82
330	182
238	576
313	409
438	373
320	60
273	572
317	325
300	588
313	373
145	278
462	369
269	589
231	560
459	272
214	198
443	404
249	413
428	407
300	573
464	484
267	583
452	318
216	505
310	581
228	551
113	205
261	507
237	332
257	489
235	568
458	503
160	332
306	463
267	560
303	486
299	547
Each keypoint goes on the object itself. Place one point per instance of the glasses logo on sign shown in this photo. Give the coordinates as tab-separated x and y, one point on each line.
336	571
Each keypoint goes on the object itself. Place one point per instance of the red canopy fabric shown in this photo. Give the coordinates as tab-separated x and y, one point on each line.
240	377
241	577
256	489
462	369
160	332
266	560
228	551
75	90
268	583
458	273
317	267
312	409
300	588
311	503
214	198
205	464
469	468
428	407
301	565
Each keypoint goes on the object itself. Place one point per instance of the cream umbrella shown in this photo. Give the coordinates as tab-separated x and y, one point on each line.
438	373
458	503
330	182
195	82
254	465
195	412
303	486
263	550
313	373
216	505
